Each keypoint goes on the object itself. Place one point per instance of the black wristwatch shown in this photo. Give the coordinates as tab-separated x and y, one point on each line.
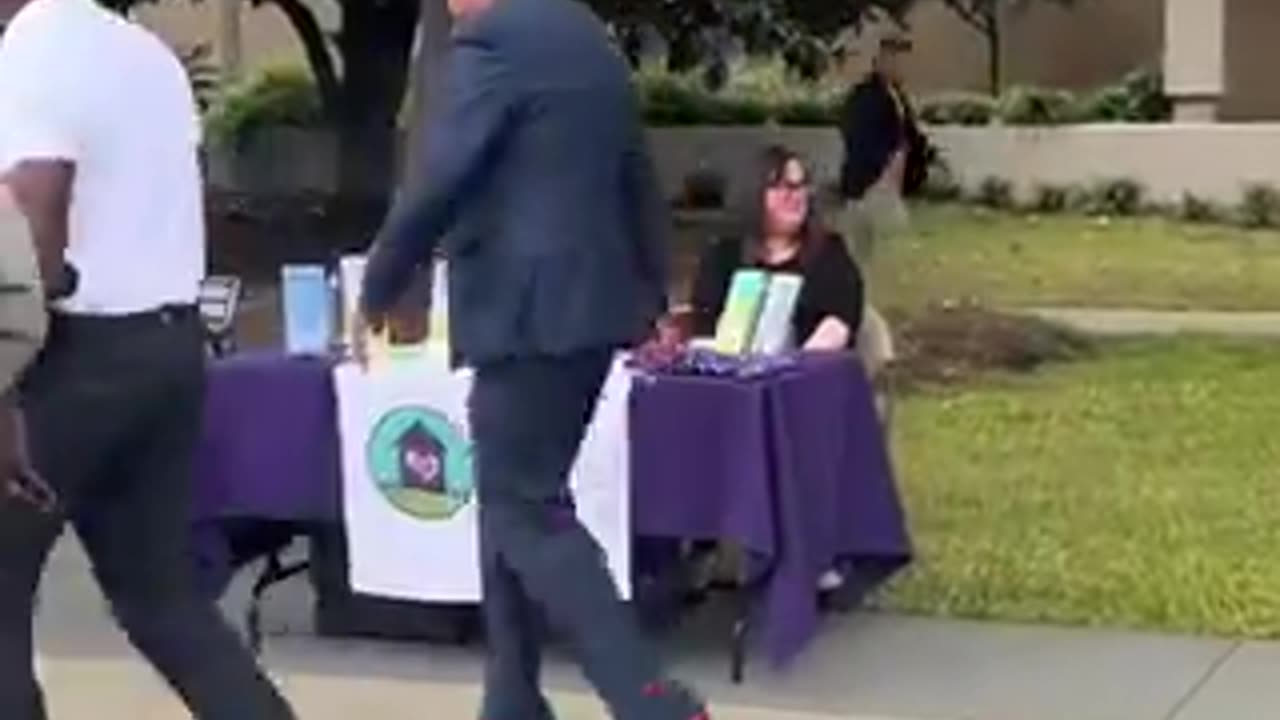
67	282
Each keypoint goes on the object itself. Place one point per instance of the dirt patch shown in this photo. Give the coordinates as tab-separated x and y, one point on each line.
953	343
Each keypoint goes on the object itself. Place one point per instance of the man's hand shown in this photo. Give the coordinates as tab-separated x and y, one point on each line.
18	478
362	329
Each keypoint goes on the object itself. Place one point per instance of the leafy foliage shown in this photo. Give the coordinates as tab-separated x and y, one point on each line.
1116	197
1260	206
1196	209
995	193
1139	97
756	94
958	108
1037	106
279	97
697	31
1050	198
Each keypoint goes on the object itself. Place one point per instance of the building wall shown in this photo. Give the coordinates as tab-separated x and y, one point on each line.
266	35
1252	58
1090	45
1214	161
1093	44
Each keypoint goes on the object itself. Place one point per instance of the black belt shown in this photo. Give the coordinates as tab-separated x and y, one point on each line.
163	316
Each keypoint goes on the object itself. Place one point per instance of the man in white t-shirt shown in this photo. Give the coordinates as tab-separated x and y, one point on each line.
98	141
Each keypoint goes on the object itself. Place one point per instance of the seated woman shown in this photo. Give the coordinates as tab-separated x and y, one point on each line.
783	233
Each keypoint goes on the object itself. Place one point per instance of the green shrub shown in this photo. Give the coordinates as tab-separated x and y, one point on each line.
1138	98
967	109
1050	198
279	97
1080	199
672	99
757	93
1260	206
809	112
1038	106
995	193
1193	208
1116	197
941	184
772	80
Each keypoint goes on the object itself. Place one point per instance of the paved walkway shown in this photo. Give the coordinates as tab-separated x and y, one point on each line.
864	667
1120	322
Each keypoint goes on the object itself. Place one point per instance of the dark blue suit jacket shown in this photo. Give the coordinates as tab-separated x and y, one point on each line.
537	170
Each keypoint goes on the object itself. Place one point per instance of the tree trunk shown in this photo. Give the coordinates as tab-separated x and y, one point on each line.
316	47
375	44
995	50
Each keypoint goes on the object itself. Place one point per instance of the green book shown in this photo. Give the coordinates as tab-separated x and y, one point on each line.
737	321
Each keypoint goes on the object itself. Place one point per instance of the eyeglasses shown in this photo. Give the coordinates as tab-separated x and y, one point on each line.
793	185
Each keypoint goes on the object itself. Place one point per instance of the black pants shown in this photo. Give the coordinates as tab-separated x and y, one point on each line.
114	409
528	418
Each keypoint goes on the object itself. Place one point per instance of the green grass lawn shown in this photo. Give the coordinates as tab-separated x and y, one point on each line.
1011	260
1136	489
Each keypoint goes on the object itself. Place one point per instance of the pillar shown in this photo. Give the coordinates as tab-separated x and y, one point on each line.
1195	58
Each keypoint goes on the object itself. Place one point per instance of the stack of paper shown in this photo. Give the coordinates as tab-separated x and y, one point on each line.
438	339
350	280
773	329
308	309
741	309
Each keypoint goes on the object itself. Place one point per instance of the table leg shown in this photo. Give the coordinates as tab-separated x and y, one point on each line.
746	601
741	635
274	573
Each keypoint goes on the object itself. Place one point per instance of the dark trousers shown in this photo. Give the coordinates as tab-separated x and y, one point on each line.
528	418
114	409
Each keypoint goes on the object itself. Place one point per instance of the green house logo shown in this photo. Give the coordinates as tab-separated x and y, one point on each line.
421	463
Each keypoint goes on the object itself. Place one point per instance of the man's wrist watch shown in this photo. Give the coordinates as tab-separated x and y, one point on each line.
65	285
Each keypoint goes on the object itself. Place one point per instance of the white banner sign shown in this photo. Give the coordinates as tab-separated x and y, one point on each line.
408	481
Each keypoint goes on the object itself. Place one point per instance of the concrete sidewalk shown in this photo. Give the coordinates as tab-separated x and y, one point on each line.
88	688
872	667
862	667
1126	322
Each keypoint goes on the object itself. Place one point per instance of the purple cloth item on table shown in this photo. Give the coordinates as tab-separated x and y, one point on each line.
791	465
794	467
269	451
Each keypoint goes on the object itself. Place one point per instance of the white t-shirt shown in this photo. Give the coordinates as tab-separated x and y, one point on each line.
81	84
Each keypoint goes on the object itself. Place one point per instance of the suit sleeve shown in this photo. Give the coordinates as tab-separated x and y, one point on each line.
865	129
716	267
650	219
477	109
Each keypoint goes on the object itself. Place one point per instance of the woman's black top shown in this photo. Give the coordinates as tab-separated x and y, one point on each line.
832	286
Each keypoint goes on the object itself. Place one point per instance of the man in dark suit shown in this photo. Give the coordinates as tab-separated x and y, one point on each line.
886	154
535	164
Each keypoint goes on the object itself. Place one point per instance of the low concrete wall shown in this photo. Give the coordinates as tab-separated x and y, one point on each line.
1213	161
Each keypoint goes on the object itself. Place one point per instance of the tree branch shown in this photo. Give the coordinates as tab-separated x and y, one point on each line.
972	15
316	47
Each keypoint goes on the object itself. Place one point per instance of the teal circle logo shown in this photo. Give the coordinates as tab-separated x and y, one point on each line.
421	463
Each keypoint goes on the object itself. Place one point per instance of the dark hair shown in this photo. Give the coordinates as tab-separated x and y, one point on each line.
773	166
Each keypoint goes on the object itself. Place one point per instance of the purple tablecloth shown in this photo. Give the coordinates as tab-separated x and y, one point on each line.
793	467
